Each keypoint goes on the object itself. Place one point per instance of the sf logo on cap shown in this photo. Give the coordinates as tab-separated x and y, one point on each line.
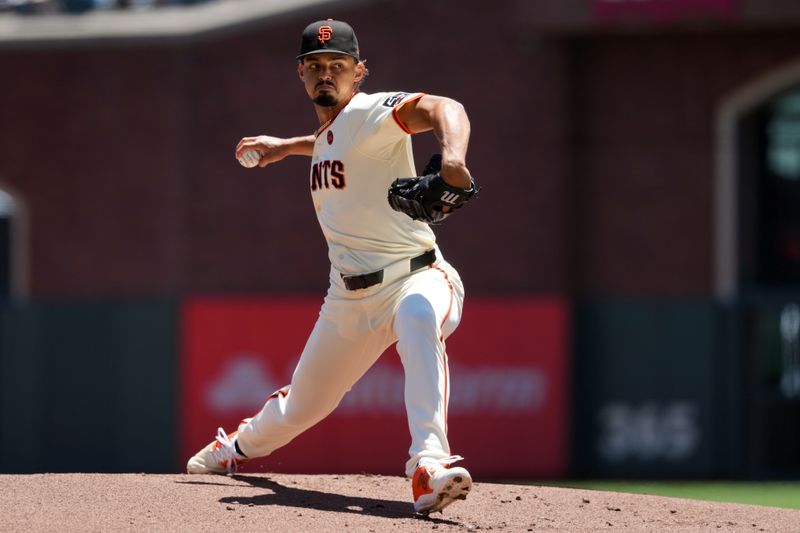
324	34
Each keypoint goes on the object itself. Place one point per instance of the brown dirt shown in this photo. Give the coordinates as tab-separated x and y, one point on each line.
279	502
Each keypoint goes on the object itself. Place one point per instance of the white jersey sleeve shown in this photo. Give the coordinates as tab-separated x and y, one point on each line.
375	123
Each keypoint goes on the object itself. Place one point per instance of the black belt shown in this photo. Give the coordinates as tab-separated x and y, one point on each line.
362	281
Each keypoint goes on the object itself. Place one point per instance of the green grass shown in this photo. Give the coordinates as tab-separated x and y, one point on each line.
772	494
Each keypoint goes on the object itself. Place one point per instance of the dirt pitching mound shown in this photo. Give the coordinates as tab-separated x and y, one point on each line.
278	502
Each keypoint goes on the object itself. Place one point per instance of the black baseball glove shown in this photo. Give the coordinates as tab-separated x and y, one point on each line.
424	197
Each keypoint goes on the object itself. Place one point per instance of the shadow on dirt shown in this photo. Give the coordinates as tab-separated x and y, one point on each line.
203	483
325	501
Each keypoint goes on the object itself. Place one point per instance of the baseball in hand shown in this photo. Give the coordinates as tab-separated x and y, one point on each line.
250	158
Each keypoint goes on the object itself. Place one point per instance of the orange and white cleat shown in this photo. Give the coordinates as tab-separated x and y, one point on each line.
219	457
436	484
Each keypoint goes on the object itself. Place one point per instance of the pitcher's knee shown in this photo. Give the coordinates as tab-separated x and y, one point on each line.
415	314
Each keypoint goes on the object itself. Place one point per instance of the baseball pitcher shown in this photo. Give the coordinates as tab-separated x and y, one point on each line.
389	282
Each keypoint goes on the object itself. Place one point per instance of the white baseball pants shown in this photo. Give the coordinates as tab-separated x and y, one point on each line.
418	311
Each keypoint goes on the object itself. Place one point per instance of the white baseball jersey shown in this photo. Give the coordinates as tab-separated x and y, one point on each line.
357	155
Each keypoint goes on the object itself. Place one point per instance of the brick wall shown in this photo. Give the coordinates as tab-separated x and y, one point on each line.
595	152
645	152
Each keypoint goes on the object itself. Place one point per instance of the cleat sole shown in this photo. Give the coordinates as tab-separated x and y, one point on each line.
453	492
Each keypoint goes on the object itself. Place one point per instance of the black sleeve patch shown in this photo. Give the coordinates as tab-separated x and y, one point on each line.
395	99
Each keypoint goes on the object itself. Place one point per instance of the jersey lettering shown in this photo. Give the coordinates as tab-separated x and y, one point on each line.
394	99
325	166
316	179
327	174
337	174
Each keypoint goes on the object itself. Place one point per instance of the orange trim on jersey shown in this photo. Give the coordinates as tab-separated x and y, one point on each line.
441	339
330	120
401	104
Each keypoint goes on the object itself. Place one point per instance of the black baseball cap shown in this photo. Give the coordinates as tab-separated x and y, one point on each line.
329	36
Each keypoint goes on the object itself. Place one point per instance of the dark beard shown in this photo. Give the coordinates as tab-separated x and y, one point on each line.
326	99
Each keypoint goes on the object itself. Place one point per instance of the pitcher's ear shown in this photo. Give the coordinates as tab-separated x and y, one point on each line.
361	68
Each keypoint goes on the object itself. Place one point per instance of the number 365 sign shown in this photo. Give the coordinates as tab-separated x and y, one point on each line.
648	432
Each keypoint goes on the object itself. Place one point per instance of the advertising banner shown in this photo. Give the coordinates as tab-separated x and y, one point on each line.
508	404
